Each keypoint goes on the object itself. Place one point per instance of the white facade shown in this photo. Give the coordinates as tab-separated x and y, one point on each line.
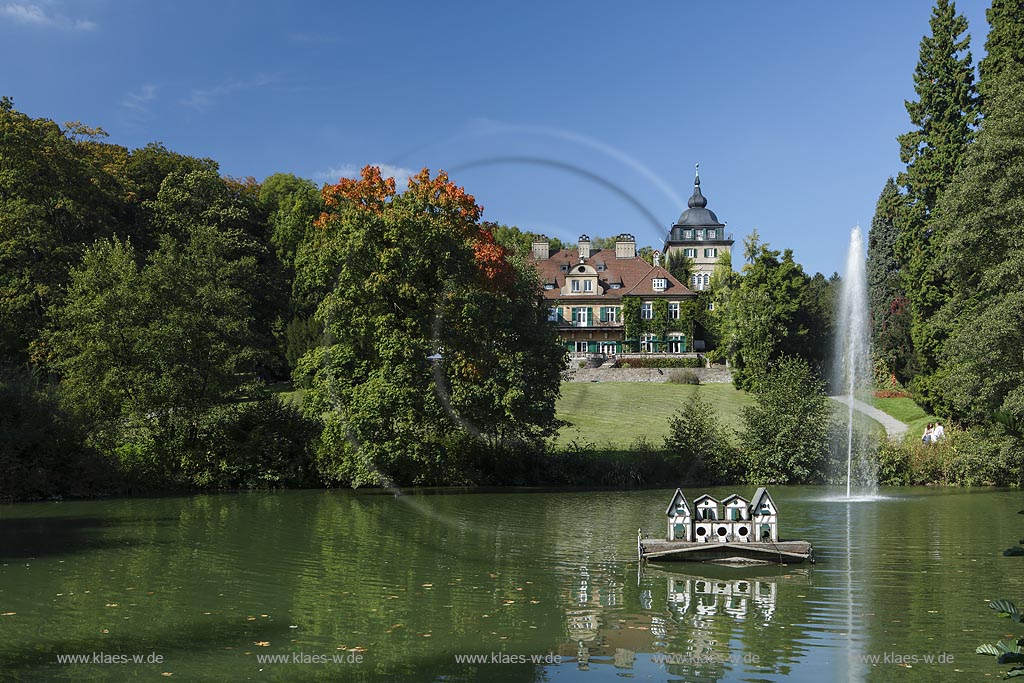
731	520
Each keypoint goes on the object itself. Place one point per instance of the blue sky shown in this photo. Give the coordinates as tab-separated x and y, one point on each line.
559	117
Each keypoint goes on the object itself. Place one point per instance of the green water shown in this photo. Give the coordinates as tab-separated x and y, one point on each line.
404	584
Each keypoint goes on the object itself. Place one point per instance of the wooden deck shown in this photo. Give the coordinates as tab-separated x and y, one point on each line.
782	552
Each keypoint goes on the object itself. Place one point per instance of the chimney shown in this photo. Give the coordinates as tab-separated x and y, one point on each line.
625	246
584	247
541	248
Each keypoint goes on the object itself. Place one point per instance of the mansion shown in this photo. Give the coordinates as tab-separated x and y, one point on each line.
611	302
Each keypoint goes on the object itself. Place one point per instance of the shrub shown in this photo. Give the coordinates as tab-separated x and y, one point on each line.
786	431
702	445
683	377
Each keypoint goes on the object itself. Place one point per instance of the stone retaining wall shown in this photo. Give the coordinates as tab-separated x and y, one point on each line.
714	375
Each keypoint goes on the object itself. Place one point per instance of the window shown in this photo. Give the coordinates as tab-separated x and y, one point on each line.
607	348
588	285
676	343
582	347
700	234
647	343
711	305
711	253
609	314
600	267
706	278
647	311
701	280
660	284
690	253
616	285
582	316
549	285
687	234
575	285
712	234
553	315
673	310
565	267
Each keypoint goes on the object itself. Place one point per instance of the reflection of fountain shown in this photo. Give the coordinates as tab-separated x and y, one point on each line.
853	344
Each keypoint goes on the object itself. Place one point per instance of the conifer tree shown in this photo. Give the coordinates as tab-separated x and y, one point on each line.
944	115
1004	45
885	289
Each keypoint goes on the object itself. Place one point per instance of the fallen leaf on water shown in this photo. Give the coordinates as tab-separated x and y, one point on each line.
428	585
8	614
250	618
105	630
166	673
112	604
262	643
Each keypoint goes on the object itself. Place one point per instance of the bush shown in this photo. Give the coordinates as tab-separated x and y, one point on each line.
786	431
683	377
702	445
41	451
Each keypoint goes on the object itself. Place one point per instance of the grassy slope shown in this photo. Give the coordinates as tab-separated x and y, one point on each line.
617	413
905	410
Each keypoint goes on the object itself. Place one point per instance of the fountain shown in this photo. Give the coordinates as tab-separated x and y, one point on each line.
853	340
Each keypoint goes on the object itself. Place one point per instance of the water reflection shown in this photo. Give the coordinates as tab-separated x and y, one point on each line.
204	579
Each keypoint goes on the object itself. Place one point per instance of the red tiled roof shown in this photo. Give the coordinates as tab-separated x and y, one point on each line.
634	274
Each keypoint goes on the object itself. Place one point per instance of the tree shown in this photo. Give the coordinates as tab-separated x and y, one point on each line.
884	281
785	433
1004	46
982	227
680	265
59	191
439	346
702	445
944	117
769	314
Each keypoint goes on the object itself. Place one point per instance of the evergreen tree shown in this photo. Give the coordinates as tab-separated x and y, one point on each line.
1004	46
945	116
680	265
884	283
982	223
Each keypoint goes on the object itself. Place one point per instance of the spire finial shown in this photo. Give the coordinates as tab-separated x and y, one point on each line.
696	180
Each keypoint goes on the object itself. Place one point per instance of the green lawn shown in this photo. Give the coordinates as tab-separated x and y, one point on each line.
617	413
907	411
287	393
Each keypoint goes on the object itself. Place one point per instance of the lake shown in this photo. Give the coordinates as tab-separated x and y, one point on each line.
369	586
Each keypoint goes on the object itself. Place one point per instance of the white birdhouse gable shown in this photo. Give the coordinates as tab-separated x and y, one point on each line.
707	507
678	507
763	505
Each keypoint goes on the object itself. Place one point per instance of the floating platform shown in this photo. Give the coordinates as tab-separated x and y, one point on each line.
734	553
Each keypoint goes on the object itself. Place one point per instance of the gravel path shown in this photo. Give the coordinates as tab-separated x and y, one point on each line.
893	427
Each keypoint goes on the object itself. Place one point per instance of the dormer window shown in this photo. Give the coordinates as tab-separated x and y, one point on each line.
615	285
687	234
575	285
565	267
588	285
660	284
549	286
600	267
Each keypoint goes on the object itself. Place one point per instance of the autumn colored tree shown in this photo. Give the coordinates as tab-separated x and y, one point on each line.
438	356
